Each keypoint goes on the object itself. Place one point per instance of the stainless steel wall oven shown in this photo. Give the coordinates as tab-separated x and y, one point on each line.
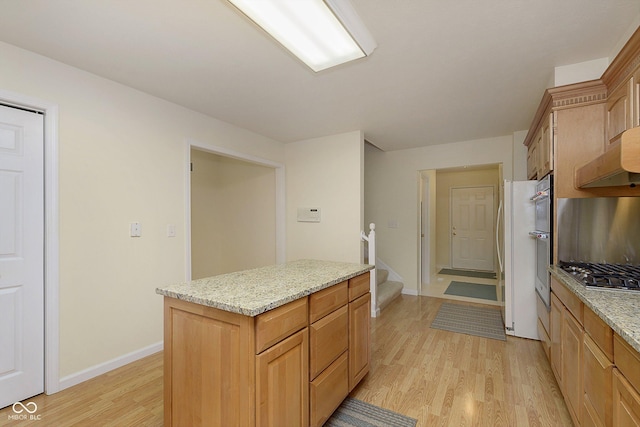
543	234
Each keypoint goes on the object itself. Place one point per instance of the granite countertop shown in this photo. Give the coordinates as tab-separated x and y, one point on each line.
619	309
251	292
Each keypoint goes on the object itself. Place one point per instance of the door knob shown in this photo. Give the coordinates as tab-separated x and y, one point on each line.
454	233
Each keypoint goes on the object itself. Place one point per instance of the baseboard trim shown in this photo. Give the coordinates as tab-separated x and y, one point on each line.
110	365
413	292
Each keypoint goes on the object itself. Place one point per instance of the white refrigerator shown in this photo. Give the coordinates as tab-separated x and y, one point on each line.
517	259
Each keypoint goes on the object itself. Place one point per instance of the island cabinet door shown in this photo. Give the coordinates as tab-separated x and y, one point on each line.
359	342
209	368
282	383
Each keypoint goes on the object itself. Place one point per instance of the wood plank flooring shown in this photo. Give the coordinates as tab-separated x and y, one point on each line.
438	377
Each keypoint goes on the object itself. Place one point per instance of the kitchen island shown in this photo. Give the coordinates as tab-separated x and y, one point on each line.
279	345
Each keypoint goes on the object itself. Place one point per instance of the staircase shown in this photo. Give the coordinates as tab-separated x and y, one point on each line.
384	291
387	290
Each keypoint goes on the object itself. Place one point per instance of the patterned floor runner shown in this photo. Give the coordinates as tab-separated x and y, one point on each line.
356	413
470	320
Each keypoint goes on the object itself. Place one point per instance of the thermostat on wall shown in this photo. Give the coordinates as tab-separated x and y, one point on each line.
308	214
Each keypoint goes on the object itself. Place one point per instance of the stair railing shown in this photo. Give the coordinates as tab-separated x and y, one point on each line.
373	286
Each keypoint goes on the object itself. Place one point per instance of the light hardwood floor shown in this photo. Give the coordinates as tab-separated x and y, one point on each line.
440	378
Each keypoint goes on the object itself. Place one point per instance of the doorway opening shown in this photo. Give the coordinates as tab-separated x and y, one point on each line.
234	211
448	267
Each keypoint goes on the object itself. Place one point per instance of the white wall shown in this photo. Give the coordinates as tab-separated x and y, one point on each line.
519	157
580	72
392	193
233	216
326	173
121	159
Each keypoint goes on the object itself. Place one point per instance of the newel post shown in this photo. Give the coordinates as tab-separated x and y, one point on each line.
373	287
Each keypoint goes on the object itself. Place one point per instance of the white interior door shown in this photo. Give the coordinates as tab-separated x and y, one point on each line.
472	228
21	255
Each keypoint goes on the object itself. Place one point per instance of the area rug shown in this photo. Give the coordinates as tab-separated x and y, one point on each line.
356	413
470	320
468	273
472	290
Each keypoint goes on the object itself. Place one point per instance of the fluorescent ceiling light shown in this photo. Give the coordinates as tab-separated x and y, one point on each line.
322	34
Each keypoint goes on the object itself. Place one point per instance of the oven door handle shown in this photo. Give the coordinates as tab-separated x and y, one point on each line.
539	235
540	195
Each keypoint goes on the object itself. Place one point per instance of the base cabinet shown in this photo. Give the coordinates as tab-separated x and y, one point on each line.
572	336
359	348
597	381
598	371
626	402
290	366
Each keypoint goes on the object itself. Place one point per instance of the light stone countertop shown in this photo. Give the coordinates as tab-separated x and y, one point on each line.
252	292
620	309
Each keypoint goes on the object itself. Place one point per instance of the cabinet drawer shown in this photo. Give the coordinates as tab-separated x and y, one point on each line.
277	324
358	286
328	339
327	300
329	390
627	361
599	332
568	298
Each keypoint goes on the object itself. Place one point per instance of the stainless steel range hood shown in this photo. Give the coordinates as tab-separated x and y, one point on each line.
618	166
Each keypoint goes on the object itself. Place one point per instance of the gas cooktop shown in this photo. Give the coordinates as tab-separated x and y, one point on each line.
612	276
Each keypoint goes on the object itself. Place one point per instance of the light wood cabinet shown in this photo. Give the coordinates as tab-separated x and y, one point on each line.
626	402
359	336
290	366
566	346
532	159
635	102
282	391
556	322
627	361
332	314
329	339
597	381
359	329
329	389
618	114
540	144
572	337
597	370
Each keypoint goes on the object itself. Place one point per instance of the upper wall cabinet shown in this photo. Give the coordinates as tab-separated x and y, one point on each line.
635	102
577	131
619	108
540	142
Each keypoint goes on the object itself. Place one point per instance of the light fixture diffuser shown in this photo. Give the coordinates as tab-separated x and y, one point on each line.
322	34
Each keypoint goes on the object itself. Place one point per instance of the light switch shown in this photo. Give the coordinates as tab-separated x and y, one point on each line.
171	230
135	229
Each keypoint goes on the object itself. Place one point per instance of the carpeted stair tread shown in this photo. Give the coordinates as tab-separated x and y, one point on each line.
387	292
381	276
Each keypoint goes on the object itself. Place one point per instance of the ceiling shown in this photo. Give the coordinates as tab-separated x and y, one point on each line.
444	71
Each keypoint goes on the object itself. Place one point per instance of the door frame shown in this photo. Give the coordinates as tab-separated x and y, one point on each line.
226	152
51	233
